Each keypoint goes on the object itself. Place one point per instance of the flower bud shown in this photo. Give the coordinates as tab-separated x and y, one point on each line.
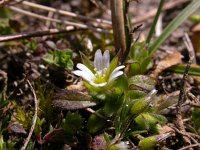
150	142
139	106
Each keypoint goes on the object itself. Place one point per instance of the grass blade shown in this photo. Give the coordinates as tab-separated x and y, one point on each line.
174	24
152	30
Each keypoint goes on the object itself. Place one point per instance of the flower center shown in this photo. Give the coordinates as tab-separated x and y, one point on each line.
100	75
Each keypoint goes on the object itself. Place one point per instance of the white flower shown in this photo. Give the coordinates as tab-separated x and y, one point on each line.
101	75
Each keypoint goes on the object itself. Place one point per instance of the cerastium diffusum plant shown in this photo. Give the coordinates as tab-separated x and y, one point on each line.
127	100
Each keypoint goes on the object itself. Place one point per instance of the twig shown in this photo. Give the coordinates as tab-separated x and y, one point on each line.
34	118
185	134
192	97
192	104
65	13
24	35
181	99
182	90
190	48
83	26
152	13
190	146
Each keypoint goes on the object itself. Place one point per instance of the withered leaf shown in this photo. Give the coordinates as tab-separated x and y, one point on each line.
72	105
168	61
71	95
196	38
141	82
53	135
16	128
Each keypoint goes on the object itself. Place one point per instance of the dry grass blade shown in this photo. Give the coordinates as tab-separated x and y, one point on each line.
79	25
66	13
25	35
34	117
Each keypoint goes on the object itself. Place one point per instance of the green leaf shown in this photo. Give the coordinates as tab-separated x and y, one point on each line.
106	137
139	59
59	58
137	132
174	24
152	30
194	70
196	118
160	118
3	103
5	13
95	123
72	123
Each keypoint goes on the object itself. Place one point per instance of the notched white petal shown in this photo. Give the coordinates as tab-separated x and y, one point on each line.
115	75
77	72
106	59
84	75
98	60
85	69
117	69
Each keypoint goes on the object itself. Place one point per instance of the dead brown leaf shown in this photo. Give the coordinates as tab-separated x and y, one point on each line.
72	105
16	128
170	60
196	38
165	129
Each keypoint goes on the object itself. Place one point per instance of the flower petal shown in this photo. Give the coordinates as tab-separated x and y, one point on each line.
106	59
85	69
98	85
117	69
115	75
84	75
98	60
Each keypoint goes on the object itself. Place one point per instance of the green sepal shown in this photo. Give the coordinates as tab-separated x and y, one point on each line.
148	143
139	106
135	68
87	62
113	147
113	65
113	104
